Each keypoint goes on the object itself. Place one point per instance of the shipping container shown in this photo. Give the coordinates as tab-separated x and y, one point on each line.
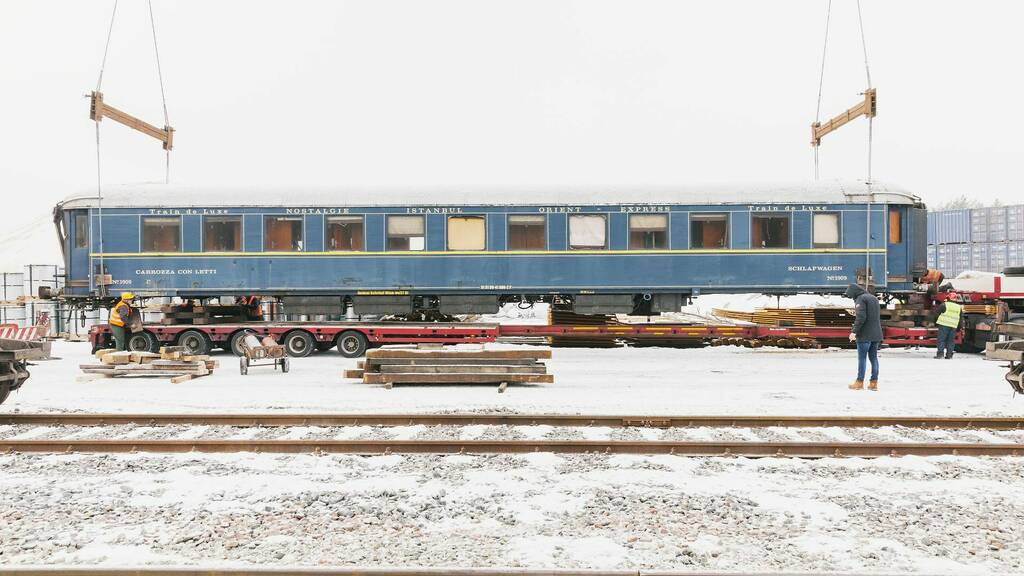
997	224
997	256
951	226
1015	222
980	256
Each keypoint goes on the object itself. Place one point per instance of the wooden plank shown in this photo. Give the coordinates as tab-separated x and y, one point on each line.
371	362
195	358
101	353
182	378
868	107
117	358
352	373
496	354
376	378
466	369
144	357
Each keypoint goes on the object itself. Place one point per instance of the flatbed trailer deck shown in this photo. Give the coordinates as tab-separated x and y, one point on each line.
353	338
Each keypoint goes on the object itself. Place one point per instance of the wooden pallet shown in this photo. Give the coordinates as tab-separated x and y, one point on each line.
389	366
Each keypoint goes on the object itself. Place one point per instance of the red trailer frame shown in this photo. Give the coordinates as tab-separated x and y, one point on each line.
353	338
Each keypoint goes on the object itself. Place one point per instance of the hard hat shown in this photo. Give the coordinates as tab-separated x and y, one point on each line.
127	295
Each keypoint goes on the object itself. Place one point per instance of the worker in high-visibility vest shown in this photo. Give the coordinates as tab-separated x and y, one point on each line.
120	316
949	318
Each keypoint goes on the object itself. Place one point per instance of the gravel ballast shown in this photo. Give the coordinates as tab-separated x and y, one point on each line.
944	514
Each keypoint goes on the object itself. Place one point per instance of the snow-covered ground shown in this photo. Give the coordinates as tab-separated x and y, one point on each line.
949	515
928	515
721	380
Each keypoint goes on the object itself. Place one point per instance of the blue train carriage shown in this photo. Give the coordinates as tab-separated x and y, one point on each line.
385	251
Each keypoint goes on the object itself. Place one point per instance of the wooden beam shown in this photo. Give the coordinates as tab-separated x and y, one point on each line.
98	110
867	108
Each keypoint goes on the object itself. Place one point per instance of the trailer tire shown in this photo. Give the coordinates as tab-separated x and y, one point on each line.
142	342
352	344
235	342
299	343
195	342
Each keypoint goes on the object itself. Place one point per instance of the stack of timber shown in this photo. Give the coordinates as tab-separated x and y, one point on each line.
202	314
427	364
566	318
797	317
917	311
172	362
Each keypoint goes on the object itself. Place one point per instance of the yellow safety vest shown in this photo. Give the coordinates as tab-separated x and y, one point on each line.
116	315
951	317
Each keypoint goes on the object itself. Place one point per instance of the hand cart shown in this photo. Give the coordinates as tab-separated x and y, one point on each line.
255	353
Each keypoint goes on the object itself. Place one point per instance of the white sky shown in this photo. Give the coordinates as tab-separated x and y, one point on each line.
524	92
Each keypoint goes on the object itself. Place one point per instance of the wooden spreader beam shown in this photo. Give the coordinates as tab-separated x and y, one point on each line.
98	110
867	108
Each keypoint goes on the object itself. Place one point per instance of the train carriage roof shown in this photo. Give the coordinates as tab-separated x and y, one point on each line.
177	196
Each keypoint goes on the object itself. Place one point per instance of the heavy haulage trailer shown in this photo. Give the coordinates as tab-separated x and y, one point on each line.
353	338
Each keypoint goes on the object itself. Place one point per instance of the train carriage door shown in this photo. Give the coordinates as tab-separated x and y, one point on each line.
78	227
896	245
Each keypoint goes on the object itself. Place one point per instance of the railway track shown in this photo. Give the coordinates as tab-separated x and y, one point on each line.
83	419
749	449
71	439
385	572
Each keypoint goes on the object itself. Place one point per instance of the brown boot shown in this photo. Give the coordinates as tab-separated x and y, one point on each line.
873	385
857	385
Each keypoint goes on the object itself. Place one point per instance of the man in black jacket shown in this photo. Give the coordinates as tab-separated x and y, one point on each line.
867	333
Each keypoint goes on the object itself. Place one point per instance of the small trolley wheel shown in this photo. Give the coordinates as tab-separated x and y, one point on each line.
195	342
142	342
286	364
235	344
299	343
352	344
243	365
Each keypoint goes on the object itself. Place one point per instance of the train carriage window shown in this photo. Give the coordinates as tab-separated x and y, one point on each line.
895	227
769	231
648	231
709	231
222	233
527	232
81	230
282	233
467	233
161	234
587	232
344	233
825	230
406	233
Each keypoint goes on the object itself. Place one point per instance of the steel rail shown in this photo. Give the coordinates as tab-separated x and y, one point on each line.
615	421
260	571
750	449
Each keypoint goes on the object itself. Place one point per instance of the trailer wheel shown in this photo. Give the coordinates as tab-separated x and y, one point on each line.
352	344
299	343
195	342
235	343
142	342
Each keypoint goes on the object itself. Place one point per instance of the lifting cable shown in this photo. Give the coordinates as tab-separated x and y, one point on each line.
99	109
867	108
99	179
